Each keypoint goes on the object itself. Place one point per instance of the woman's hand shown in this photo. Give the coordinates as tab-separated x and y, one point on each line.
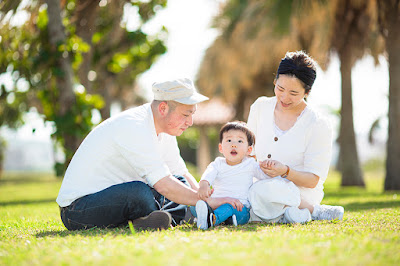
273	168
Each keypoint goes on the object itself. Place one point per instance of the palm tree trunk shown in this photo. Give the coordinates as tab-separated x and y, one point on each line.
348	156
392	180
240	105
66	98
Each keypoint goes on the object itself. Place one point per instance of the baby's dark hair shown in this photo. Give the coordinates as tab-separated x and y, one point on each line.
238	125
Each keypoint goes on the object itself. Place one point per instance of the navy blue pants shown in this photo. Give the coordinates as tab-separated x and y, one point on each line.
116	205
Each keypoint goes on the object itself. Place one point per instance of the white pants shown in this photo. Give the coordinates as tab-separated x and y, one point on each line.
270	197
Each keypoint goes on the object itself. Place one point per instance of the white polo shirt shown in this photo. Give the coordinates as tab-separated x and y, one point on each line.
307	146
121	149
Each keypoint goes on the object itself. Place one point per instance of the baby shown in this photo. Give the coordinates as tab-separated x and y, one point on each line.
230	176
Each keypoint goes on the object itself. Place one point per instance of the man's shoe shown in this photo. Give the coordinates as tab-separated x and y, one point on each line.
327	212
295	215
205	215
157	220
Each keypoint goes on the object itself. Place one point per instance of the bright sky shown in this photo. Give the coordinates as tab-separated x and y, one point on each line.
188	22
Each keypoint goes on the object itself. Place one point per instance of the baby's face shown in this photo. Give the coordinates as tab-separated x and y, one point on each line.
234	146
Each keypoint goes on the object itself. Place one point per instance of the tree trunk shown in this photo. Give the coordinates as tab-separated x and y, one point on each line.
348	156
105	112
203	152
85	27
66	97
392	179
240	105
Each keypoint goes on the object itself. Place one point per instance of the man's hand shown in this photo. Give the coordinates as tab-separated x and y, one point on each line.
205	191
235	203
216	202
273	168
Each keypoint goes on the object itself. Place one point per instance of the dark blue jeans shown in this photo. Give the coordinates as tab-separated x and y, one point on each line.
116	205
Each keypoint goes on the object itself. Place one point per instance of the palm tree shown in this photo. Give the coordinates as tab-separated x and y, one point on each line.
354	34
254	38
389	21
240	65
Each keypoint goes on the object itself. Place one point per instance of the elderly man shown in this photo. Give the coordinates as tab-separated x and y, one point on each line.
129	167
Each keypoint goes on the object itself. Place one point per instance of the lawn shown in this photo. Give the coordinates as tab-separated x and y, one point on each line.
31	233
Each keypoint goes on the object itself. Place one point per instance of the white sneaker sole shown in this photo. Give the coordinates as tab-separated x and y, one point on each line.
202	215
234	220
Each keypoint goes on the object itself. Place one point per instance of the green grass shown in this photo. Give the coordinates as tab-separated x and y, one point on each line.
31	233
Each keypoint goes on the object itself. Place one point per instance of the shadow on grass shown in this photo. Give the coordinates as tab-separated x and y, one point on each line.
96	232
27	202
359	206
88	232
250	227
245	228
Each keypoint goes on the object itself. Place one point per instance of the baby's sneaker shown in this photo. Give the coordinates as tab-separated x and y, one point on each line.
234	220
205	215
327	212
296	215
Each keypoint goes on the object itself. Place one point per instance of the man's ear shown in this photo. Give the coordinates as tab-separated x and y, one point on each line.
220	147
163	109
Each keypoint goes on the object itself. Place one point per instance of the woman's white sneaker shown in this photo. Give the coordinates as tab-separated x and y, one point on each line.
327	212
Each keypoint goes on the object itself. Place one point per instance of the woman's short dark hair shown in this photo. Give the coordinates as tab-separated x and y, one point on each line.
238	125
300	65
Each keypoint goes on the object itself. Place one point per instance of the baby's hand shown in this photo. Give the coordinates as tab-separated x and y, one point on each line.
205	191
272	168
267	164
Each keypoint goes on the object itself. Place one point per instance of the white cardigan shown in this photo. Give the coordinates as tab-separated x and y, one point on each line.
307	146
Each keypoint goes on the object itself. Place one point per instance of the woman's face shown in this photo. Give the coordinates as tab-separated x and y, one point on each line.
289	92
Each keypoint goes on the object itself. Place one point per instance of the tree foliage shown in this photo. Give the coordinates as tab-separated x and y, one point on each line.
105	60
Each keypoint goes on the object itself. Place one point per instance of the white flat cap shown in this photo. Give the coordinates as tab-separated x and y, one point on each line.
178	90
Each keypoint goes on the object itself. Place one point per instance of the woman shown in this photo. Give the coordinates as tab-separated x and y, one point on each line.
294	146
